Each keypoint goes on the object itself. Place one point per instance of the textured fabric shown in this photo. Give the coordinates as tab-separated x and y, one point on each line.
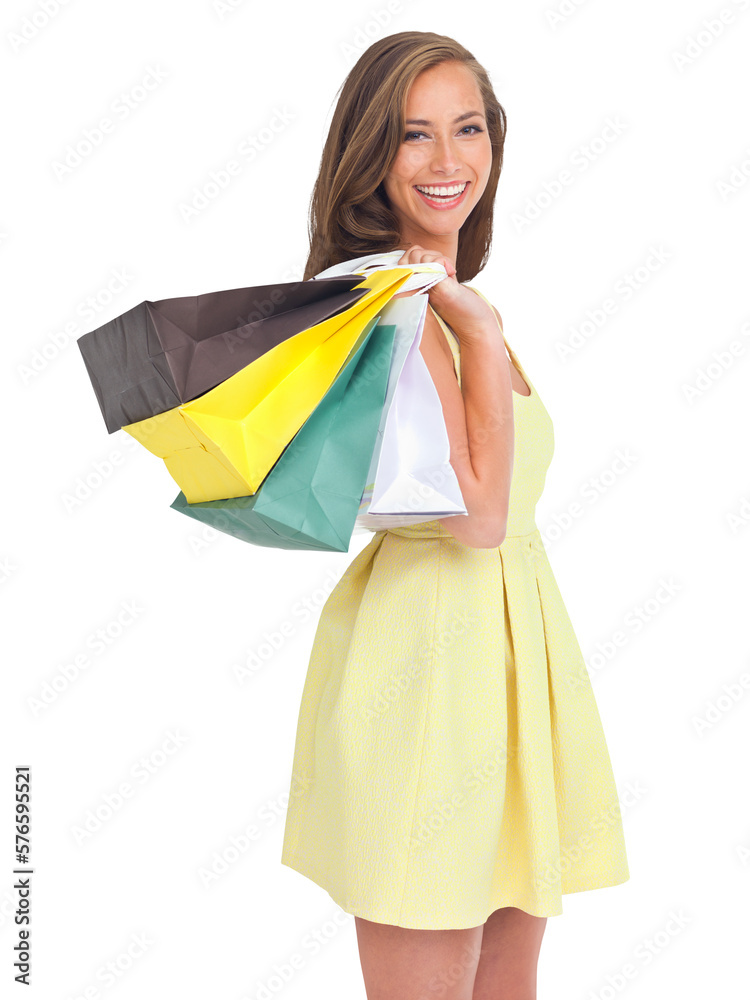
450	757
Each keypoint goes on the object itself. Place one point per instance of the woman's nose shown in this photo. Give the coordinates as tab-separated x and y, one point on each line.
445	157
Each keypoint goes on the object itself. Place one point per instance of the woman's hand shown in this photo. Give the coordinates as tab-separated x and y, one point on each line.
467	314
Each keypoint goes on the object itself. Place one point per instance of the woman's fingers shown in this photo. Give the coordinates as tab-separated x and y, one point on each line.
418	255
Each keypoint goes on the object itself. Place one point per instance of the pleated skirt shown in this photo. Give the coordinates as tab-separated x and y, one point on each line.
450	757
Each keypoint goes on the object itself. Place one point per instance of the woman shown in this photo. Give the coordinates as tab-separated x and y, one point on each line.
451	778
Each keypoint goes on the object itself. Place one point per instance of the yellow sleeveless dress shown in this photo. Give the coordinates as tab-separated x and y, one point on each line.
450	757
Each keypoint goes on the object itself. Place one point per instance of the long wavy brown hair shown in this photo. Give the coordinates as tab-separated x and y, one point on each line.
349	211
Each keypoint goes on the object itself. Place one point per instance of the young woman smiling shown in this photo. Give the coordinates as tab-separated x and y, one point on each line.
454	772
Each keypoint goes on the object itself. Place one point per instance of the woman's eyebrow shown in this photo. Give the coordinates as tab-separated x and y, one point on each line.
422	121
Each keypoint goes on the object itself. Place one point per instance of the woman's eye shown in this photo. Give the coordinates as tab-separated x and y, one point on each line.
476	127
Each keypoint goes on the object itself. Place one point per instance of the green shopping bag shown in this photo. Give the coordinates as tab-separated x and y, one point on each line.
311	496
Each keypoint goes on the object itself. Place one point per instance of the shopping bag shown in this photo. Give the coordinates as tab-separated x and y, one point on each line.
411	478
310	498
224	443
160	354
423	276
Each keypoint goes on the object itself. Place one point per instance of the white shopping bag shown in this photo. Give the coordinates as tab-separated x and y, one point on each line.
425	276
411	478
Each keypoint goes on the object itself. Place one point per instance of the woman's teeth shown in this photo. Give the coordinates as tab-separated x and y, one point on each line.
441	193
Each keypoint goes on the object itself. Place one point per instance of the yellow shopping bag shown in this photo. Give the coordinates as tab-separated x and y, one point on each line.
224	443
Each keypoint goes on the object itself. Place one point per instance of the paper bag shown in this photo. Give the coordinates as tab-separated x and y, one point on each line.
310	498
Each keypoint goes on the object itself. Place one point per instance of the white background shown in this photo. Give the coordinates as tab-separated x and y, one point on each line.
678	510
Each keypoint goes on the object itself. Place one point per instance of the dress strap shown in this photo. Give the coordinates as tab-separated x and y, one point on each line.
511	352
499	323
453	343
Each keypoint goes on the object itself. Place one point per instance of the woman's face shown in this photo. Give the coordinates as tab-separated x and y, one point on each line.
446	144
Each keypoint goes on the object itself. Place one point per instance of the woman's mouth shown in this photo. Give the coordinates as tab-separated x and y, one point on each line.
442	196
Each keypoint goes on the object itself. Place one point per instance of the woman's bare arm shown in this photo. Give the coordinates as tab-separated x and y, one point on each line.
479	420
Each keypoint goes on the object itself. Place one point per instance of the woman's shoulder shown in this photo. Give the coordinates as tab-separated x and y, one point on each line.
475	289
